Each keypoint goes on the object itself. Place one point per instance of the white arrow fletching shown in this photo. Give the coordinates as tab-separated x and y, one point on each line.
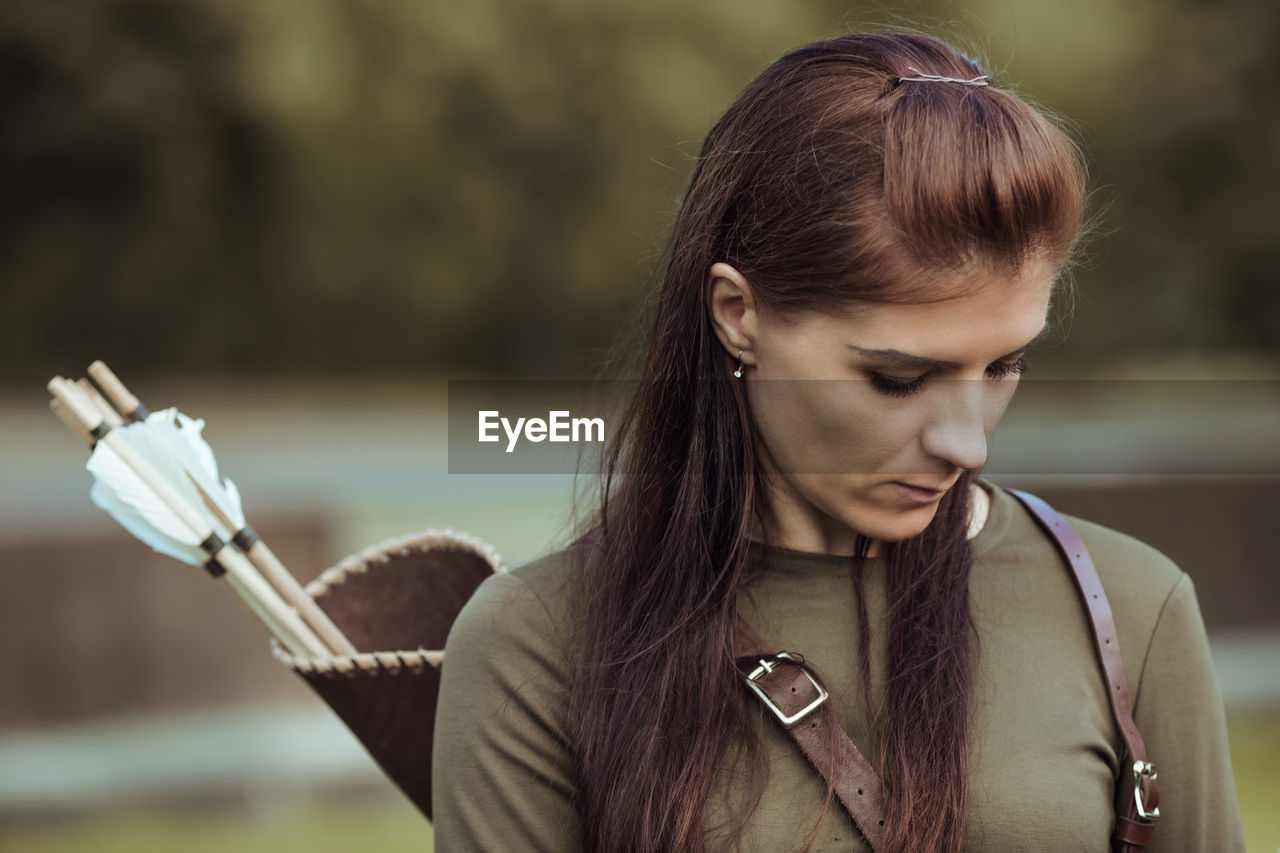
170	510
125	497
233	500
105	497
195	454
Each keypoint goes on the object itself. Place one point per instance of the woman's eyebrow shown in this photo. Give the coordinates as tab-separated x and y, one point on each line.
902	359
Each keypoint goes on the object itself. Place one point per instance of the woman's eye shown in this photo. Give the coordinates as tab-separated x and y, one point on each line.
896	387
1005	369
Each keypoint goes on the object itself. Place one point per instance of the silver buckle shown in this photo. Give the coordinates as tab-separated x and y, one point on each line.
1140	769
766	666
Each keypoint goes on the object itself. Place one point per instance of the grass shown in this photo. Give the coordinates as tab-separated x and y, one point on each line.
1255	762
327	825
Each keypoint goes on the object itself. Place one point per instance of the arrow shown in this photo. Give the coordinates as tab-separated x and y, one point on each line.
166	513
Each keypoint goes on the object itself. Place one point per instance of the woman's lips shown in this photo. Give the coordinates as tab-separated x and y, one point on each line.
919	494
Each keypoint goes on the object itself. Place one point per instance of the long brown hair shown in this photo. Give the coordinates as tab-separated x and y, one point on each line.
827	180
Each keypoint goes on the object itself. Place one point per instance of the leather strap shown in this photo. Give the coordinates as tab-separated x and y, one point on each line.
797	699
795	696
1136	774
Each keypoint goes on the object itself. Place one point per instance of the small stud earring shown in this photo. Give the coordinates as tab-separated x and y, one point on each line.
737	374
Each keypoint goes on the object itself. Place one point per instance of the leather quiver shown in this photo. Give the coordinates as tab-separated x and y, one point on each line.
395	602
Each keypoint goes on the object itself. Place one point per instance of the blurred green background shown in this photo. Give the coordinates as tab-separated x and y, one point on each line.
297	219
214	187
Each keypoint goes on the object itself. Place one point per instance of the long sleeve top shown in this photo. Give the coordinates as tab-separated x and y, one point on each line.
1044	750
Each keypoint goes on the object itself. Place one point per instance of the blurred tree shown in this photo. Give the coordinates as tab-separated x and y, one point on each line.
291	187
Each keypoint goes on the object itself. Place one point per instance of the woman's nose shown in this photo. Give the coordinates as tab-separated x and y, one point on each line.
957	433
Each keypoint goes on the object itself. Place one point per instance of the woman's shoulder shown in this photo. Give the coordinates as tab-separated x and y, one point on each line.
1152	600
1112	550
1138	578
523	608
1142	584
1125	558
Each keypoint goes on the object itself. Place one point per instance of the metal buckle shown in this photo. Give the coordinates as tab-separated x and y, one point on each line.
1140	769
788	720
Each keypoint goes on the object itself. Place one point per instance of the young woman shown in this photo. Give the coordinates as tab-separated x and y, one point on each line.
867	250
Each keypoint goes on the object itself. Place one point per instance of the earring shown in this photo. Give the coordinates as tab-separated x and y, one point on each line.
737	374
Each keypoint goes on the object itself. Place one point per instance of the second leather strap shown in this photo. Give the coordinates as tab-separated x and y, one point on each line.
795	696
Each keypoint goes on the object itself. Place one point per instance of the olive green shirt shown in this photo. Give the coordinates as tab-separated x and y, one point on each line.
1044	752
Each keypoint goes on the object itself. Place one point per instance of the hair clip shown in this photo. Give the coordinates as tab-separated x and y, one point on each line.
980	80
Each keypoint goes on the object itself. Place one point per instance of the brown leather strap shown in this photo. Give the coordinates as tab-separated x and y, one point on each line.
1131	834
793	695
1133	830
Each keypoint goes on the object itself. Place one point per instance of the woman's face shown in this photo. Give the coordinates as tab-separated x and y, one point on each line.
866	420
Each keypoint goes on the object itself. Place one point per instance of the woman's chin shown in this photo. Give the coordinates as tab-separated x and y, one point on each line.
894	525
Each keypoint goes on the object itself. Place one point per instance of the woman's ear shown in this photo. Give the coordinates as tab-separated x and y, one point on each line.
733	311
